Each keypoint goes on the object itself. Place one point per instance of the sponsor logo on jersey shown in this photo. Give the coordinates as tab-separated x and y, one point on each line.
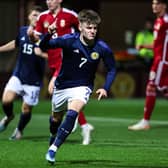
23	38
94	55
76	51
55	35
62	23
46	24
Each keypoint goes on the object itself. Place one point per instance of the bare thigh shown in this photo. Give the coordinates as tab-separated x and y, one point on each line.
8	96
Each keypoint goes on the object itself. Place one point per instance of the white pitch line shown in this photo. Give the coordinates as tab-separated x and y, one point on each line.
110	119
122	120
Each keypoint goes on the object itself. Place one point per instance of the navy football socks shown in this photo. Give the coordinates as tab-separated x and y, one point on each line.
24	119
66	127
53	129
8	109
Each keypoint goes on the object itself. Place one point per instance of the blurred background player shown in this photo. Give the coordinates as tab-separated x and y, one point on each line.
145	37
158	78
26	79
66	21
72	92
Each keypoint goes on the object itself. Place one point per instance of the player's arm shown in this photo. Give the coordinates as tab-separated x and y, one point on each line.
147	46
151	87
40	53
8	46
109	62
52	28
51	85
48	43
33	36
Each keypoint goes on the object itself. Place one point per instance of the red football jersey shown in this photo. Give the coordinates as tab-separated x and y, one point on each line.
160	41
66	22
161	51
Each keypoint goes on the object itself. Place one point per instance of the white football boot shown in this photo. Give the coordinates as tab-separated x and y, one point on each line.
16	135
86	133
141	125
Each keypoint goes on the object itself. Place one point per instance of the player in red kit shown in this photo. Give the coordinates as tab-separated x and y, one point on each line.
158	79
66	21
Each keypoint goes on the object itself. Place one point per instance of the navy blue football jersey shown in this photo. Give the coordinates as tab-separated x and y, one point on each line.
29	67
80	62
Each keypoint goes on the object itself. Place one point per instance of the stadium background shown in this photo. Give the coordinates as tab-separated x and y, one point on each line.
121	19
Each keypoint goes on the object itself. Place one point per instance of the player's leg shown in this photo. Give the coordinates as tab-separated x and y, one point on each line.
86	128
7	106
81	120
54	122
76	98
25	117
143	124
64	130
12	89
30	99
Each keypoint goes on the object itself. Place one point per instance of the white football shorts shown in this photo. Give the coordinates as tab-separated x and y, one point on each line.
29	93
61	97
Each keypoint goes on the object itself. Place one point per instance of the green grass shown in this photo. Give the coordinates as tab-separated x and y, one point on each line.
113	146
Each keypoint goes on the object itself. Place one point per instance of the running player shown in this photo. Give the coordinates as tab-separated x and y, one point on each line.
26	79
66	21
82	53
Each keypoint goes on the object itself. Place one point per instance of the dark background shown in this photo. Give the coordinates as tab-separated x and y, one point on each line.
120	19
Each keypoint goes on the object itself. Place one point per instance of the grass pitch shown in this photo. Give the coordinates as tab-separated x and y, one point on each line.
113	146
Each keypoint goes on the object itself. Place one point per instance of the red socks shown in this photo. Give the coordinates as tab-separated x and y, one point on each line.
81	118
149	106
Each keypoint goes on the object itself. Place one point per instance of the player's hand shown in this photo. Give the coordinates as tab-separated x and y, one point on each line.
30	31
101	93
52	28
32	36
138	47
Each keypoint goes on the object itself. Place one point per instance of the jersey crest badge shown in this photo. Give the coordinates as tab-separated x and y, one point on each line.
94	55
62	23
46	24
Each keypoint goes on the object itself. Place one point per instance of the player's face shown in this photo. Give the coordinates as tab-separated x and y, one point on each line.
158	8
53	4
88	31
33	17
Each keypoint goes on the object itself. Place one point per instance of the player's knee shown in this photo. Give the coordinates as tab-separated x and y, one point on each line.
7	100
57	117
151	90
8	97
26	108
